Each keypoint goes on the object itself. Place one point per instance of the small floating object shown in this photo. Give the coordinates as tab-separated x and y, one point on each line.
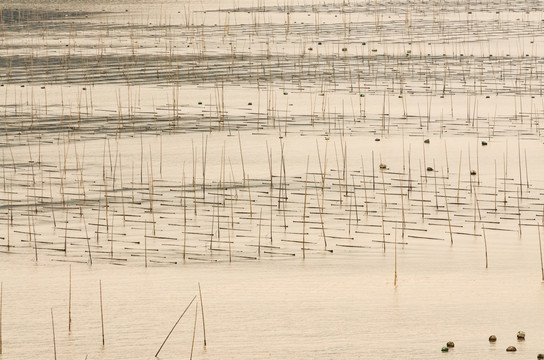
364	43
521	335
362	95
450	344
492	338
429	168
427	141
310	48
377	139
250	103
200	103
285	93
344	49
445	349
484	143
374	50
540	356
472	172
511	348
320	43
383	166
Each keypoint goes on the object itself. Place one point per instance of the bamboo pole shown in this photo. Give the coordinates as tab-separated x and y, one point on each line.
70	300
54	339
485	245
173	327
194	332
395	280
447	208
540	247
101	312
202	311
304	210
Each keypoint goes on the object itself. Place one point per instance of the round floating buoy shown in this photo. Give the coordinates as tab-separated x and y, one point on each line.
472	172
492	338
427	141
511	348
429	168
484	143
445	349
250	103
450	344
377	139
383	166
200	103
362	95
521	335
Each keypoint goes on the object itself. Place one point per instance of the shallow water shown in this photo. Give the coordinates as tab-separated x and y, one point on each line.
131	130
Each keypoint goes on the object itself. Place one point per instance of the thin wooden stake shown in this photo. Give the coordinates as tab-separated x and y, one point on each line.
202	311
540	247
101	313
194	332
447	208
145	243
304	210
173	327
485	245
70	300
54	339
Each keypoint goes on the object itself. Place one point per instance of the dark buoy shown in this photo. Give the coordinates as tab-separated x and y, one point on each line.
450	344
445	349
472	172
250	103
484	143
492	338
200	103
427	141
377	139
521	335
540	356
429	168
511	348
383	166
